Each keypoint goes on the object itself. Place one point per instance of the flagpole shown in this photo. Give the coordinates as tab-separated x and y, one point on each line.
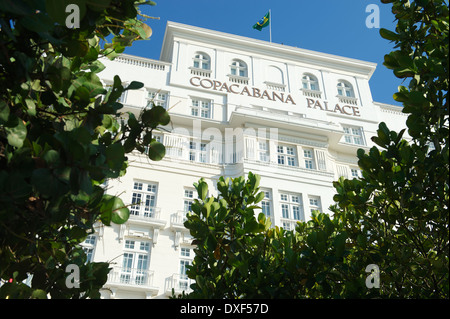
270	25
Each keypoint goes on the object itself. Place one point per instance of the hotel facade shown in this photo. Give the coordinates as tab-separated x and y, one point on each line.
237	105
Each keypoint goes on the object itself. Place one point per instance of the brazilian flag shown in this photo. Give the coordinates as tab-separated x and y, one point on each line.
264	22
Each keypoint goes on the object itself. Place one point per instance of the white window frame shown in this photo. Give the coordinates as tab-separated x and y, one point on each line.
135	262
202	61
186	258
314	203
353	135
157	97
201	108
287	155
345	89
266	203
310	82
188	199
144	195
198	151
263	151
239	68
355	172
289	203
88	246
309	159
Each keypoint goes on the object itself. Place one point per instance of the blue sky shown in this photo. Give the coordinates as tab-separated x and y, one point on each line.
329	26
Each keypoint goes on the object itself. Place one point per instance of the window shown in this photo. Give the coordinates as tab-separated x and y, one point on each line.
308	156
198	152
345	89
186	257
314	203
275	75
291	210
266	204
286	155
202	61
88	247
238	68
188	199
291	206
135	262
309	82
353	135
201	108
355	172
143	199
157	98
263	151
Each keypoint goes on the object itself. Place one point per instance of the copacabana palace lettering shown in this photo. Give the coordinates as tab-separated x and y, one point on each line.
237	89
346	109
274	96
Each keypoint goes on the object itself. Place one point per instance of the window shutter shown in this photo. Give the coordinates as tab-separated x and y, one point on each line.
321	159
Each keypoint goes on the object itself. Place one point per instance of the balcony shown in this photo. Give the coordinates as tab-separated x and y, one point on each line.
312	93
288	224
201	72
177	220
275	86
132	278
178	283
142	62
148	215
347	99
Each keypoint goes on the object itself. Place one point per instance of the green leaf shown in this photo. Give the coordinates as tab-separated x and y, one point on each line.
389	35
339	244
16	7
82	96
259	197
39	294
156	150
17	134
98	5
202	190
157	115
115	155
113	210
134	85
4	112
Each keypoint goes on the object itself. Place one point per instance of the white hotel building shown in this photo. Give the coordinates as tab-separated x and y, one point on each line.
296	117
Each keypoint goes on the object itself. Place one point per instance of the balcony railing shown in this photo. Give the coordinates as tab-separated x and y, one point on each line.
312	93
201	72
131	277
288	224
178	219
348	99
147	215
142	62
179	283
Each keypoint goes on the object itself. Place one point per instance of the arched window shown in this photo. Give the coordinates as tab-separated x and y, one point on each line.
239	68
345	89
309	82
202	61
275	75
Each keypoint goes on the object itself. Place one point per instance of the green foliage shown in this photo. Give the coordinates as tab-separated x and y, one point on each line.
62	134
396	216
239	255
